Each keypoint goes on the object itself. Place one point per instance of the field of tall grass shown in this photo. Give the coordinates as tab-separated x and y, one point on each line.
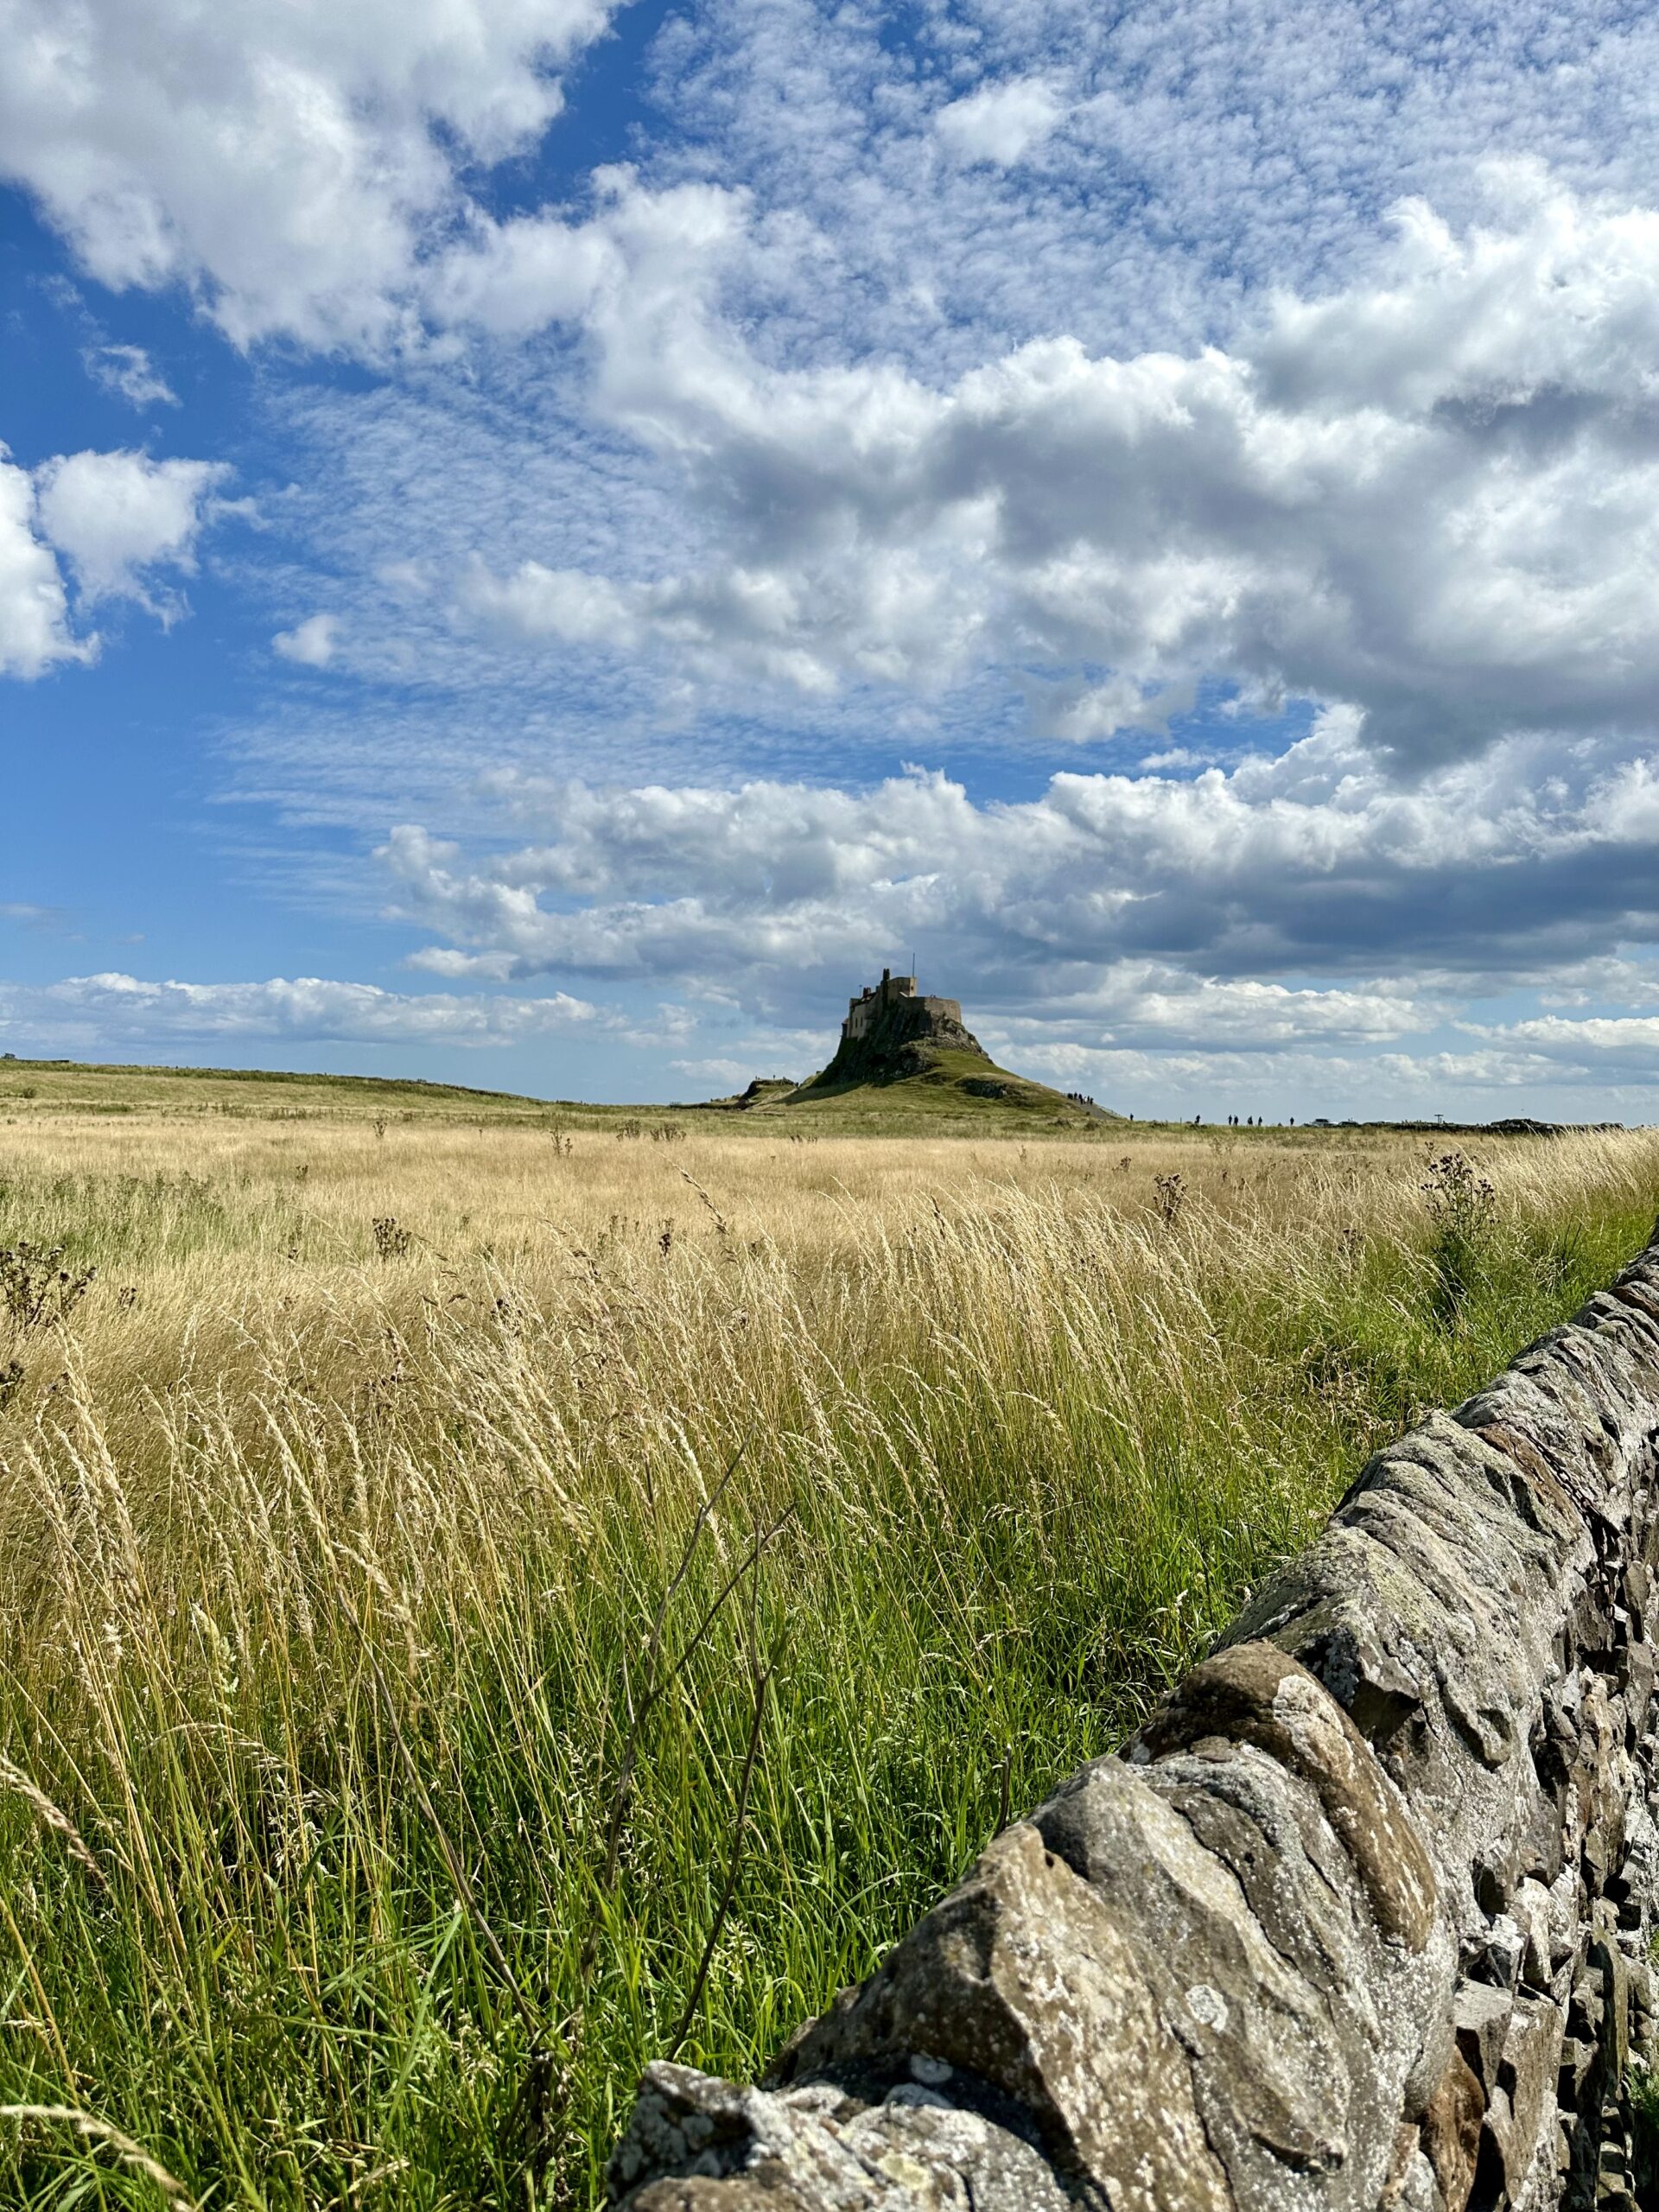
483	1609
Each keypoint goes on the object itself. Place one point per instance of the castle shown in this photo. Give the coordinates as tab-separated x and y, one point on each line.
873	1001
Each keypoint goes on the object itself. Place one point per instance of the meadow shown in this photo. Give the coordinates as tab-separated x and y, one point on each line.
493	1597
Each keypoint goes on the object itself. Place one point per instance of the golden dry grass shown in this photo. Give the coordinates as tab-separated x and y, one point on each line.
333	1558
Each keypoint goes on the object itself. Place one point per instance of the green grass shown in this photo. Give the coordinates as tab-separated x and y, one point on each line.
934	1104
95	1087
958	1092
931	1104
355	1587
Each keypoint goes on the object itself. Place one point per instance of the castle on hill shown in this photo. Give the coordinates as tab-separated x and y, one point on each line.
874	1000
893	1034
892	1031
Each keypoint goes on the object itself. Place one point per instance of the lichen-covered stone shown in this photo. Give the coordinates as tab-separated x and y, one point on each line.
697	2145
1255	1694
1024	1978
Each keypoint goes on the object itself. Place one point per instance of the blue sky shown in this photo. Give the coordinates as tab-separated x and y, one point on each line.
543	542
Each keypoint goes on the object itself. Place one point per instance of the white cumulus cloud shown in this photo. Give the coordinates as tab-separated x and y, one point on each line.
34	604
1116	900
118	517
125	527
1000	123
312	643
292	163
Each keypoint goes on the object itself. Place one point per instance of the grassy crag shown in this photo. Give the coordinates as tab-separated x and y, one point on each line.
478	1611
955	1094
918	1063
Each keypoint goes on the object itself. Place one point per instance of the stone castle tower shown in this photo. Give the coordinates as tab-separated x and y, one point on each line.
892	1031
865	1012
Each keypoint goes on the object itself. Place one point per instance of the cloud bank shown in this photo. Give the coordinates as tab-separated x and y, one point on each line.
1430	496
118	1009
1084	901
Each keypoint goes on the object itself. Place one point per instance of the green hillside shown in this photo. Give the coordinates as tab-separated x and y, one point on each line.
961	1095
87	1087
907	1060
954	1090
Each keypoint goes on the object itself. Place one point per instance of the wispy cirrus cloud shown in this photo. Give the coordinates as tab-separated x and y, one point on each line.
129	372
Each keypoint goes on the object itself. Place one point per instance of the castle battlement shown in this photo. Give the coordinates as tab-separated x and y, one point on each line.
875	999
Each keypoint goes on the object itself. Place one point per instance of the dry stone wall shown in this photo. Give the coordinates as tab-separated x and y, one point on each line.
1361	1919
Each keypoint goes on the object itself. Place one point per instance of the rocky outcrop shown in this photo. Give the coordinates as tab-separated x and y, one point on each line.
1360	1919
904	1039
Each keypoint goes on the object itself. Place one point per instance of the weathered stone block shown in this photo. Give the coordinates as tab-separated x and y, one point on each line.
1451	2131
1480	2020
1528	2067
1026	1979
